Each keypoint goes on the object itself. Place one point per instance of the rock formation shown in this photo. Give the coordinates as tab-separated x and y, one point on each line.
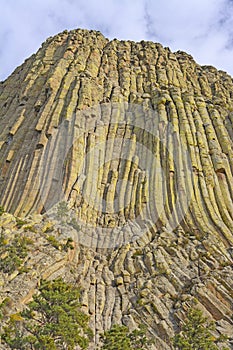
137	141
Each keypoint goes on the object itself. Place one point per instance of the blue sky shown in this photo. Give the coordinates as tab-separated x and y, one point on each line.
203	28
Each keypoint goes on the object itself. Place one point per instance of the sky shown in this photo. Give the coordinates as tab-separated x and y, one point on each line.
202	28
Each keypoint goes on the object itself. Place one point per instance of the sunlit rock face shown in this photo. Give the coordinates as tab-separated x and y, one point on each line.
137	142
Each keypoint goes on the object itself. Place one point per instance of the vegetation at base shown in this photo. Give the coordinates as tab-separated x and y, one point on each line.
12	253
197	333
52	321
20	222
58	245
3	306
119	337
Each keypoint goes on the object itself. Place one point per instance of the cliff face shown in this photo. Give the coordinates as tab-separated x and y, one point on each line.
137	141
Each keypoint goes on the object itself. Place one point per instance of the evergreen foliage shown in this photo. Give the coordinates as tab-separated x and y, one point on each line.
196	333
119	337
12	253
52	321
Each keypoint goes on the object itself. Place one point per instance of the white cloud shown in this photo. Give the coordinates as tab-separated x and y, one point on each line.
200	27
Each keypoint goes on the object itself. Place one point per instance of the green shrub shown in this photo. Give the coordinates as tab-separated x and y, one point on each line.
58	245
53	241
13	253
68	244
196	333
119	337
20	222
29	228
3	306
53	320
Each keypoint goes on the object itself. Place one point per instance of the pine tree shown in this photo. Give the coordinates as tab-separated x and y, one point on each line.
52	321
119	337
196	333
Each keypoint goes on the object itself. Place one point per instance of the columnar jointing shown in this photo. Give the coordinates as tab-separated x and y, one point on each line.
126	129
138	141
